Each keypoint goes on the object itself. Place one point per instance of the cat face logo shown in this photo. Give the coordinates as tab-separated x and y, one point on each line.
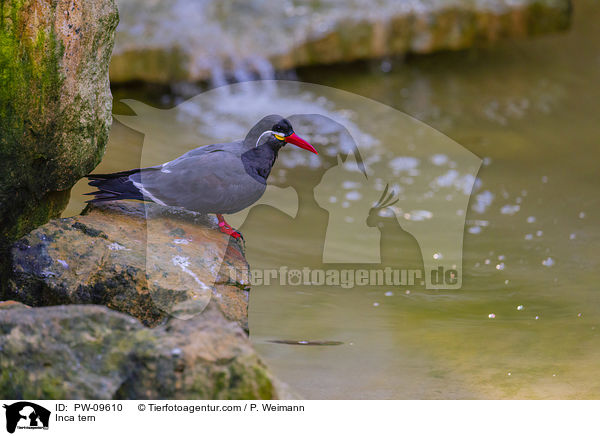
26	416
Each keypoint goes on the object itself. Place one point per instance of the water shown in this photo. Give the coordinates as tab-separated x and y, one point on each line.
525	323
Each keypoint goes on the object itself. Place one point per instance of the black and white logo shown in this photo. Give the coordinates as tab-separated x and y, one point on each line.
26	416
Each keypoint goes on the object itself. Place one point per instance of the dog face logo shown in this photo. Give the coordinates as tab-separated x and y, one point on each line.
26	415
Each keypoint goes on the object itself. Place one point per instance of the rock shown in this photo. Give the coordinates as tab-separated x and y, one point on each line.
5	305
91	352
170	40
171	263
146	262
55	104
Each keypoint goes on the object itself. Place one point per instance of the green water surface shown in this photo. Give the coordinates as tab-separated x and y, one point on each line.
531	109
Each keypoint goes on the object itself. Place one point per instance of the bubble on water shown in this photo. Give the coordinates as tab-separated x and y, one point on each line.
572	236
439	159
528	237
438	256
386	66
418	215
389	294
500	266
501	257
388	212
492	316
483	201
579	315
520	307
510	209
506	282
531	219
487	261
333	199
475	230
487	161
376	304
539	233
403	163
544	179
349	184
582	215
509	373
407	292
548	262
537	317
345	205
353	196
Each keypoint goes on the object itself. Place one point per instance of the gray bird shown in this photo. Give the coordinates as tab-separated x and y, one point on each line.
218	178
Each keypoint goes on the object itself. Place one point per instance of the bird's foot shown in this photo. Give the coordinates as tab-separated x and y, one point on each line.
227	229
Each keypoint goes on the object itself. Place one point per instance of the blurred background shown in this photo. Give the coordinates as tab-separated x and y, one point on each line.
515	82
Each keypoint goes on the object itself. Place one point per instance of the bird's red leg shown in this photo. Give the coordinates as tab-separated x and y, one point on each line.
226	228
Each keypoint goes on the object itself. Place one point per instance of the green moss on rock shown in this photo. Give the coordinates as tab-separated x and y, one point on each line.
55	104
91	352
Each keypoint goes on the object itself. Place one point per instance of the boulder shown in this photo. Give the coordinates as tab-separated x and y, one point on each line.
55	104
169	40
130	301
92	352
145	260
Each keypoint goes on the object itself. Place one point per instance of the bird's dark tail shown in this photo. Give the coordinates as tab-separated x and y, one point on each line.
115	186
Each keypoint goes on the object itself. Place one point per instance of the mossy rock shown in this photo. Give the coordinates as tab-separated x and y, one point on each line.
55	104
91	352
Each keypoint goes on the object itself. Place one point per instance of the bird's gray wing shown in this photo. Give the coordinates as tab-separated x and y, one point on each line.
236	147
209	182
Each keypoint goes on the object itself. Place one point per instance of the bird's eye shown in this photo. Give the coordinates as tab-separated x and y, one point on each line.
278	136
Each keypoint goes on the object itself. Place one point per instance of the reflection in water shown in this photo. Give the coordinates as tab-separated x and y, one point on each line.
304	342
530	249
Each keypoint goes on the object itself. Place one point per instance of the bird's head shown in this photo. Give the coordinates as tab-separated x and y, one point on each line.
276	128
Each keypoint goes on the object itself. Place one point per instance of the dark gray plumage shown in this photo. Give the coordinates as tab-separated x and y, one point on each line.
218	178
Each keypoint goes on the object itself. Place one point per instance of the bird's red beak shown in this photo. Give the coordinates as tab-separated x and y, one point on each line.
299	142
